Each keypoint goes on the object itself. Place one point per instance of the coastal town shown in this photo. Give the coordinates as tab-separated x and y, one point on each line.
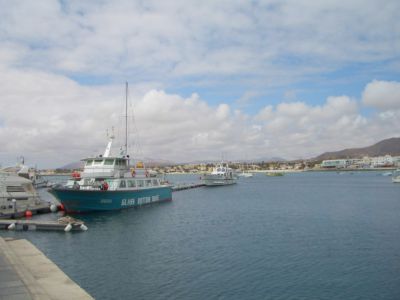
364	163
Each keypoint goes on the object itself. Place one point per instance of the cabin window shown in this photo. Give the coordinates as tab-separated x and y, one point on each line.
98	161
112	184
155	182
131	183
121	162
89	162
140	183
148	182
122	184
109	162
15	189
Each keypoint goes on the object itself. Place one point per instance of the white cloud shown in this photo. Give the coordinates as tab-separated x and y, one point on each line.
265	113
301	130
246	98
50	117
52	120
383	95
269	41
292	109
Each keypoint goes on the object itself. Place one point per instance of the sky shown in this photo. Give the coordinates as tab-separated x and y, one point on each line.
242	79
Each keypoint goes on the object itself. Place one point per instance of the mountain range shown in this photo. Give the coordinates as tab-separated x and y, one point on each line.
385	147
389	146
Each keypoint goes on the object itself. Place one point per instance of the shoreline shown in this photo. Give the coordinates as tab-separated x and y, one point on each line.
271	171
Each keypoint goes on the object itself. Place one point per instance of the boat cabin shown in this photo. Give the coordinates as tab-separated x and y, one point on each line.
114	184
105	167
18	188
222	169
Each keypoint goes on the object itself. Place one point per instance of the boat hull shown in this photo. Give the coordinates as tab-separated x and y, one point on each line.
245	175
80	201
215	180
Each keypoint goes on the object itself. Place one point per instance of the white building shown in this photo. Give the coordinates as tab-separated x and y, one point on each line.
382	161
335	163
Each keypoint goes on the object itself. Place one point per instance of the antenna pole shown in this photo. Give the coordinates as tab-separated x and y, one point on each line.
126	118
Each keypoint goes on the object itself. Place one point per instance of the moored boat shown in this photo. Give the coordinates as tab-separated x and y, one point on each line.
274	174
109	183
245	174
221	175
27	172
32	174
16	193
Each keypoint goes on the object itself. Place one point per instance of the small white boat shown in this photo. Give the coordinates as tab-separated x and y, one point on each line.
16	192
221	175
32	174
27	172
245	174
396	176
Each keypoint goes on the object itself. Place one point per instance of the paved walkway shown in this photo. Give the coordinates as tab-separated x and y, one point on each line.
26	273
11	286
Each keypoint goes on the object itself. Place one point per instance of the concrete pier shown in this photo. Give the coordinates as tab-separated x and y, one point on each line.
26	273
186	186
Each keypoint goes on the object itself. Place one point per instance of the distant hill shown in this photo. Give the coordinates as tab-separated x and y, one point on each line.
269	159
73	166
389	146
157	162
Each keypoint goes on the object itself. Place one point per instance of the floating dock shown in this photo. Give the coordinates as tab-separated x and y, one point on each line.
186	186
26	273
63	224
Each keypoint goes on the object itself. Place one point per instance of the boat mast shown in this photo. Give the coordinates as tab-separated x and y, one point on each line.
126	118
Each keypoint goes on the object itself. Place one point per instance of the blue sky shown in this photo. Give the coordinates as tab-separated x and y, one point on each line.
277	74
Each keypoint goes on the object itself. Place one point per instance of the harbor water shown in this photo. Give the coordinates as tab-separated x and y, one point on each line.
298	236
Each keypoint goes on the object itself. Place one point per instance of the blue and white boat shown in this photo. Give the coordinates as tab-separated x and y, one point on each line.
109	183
